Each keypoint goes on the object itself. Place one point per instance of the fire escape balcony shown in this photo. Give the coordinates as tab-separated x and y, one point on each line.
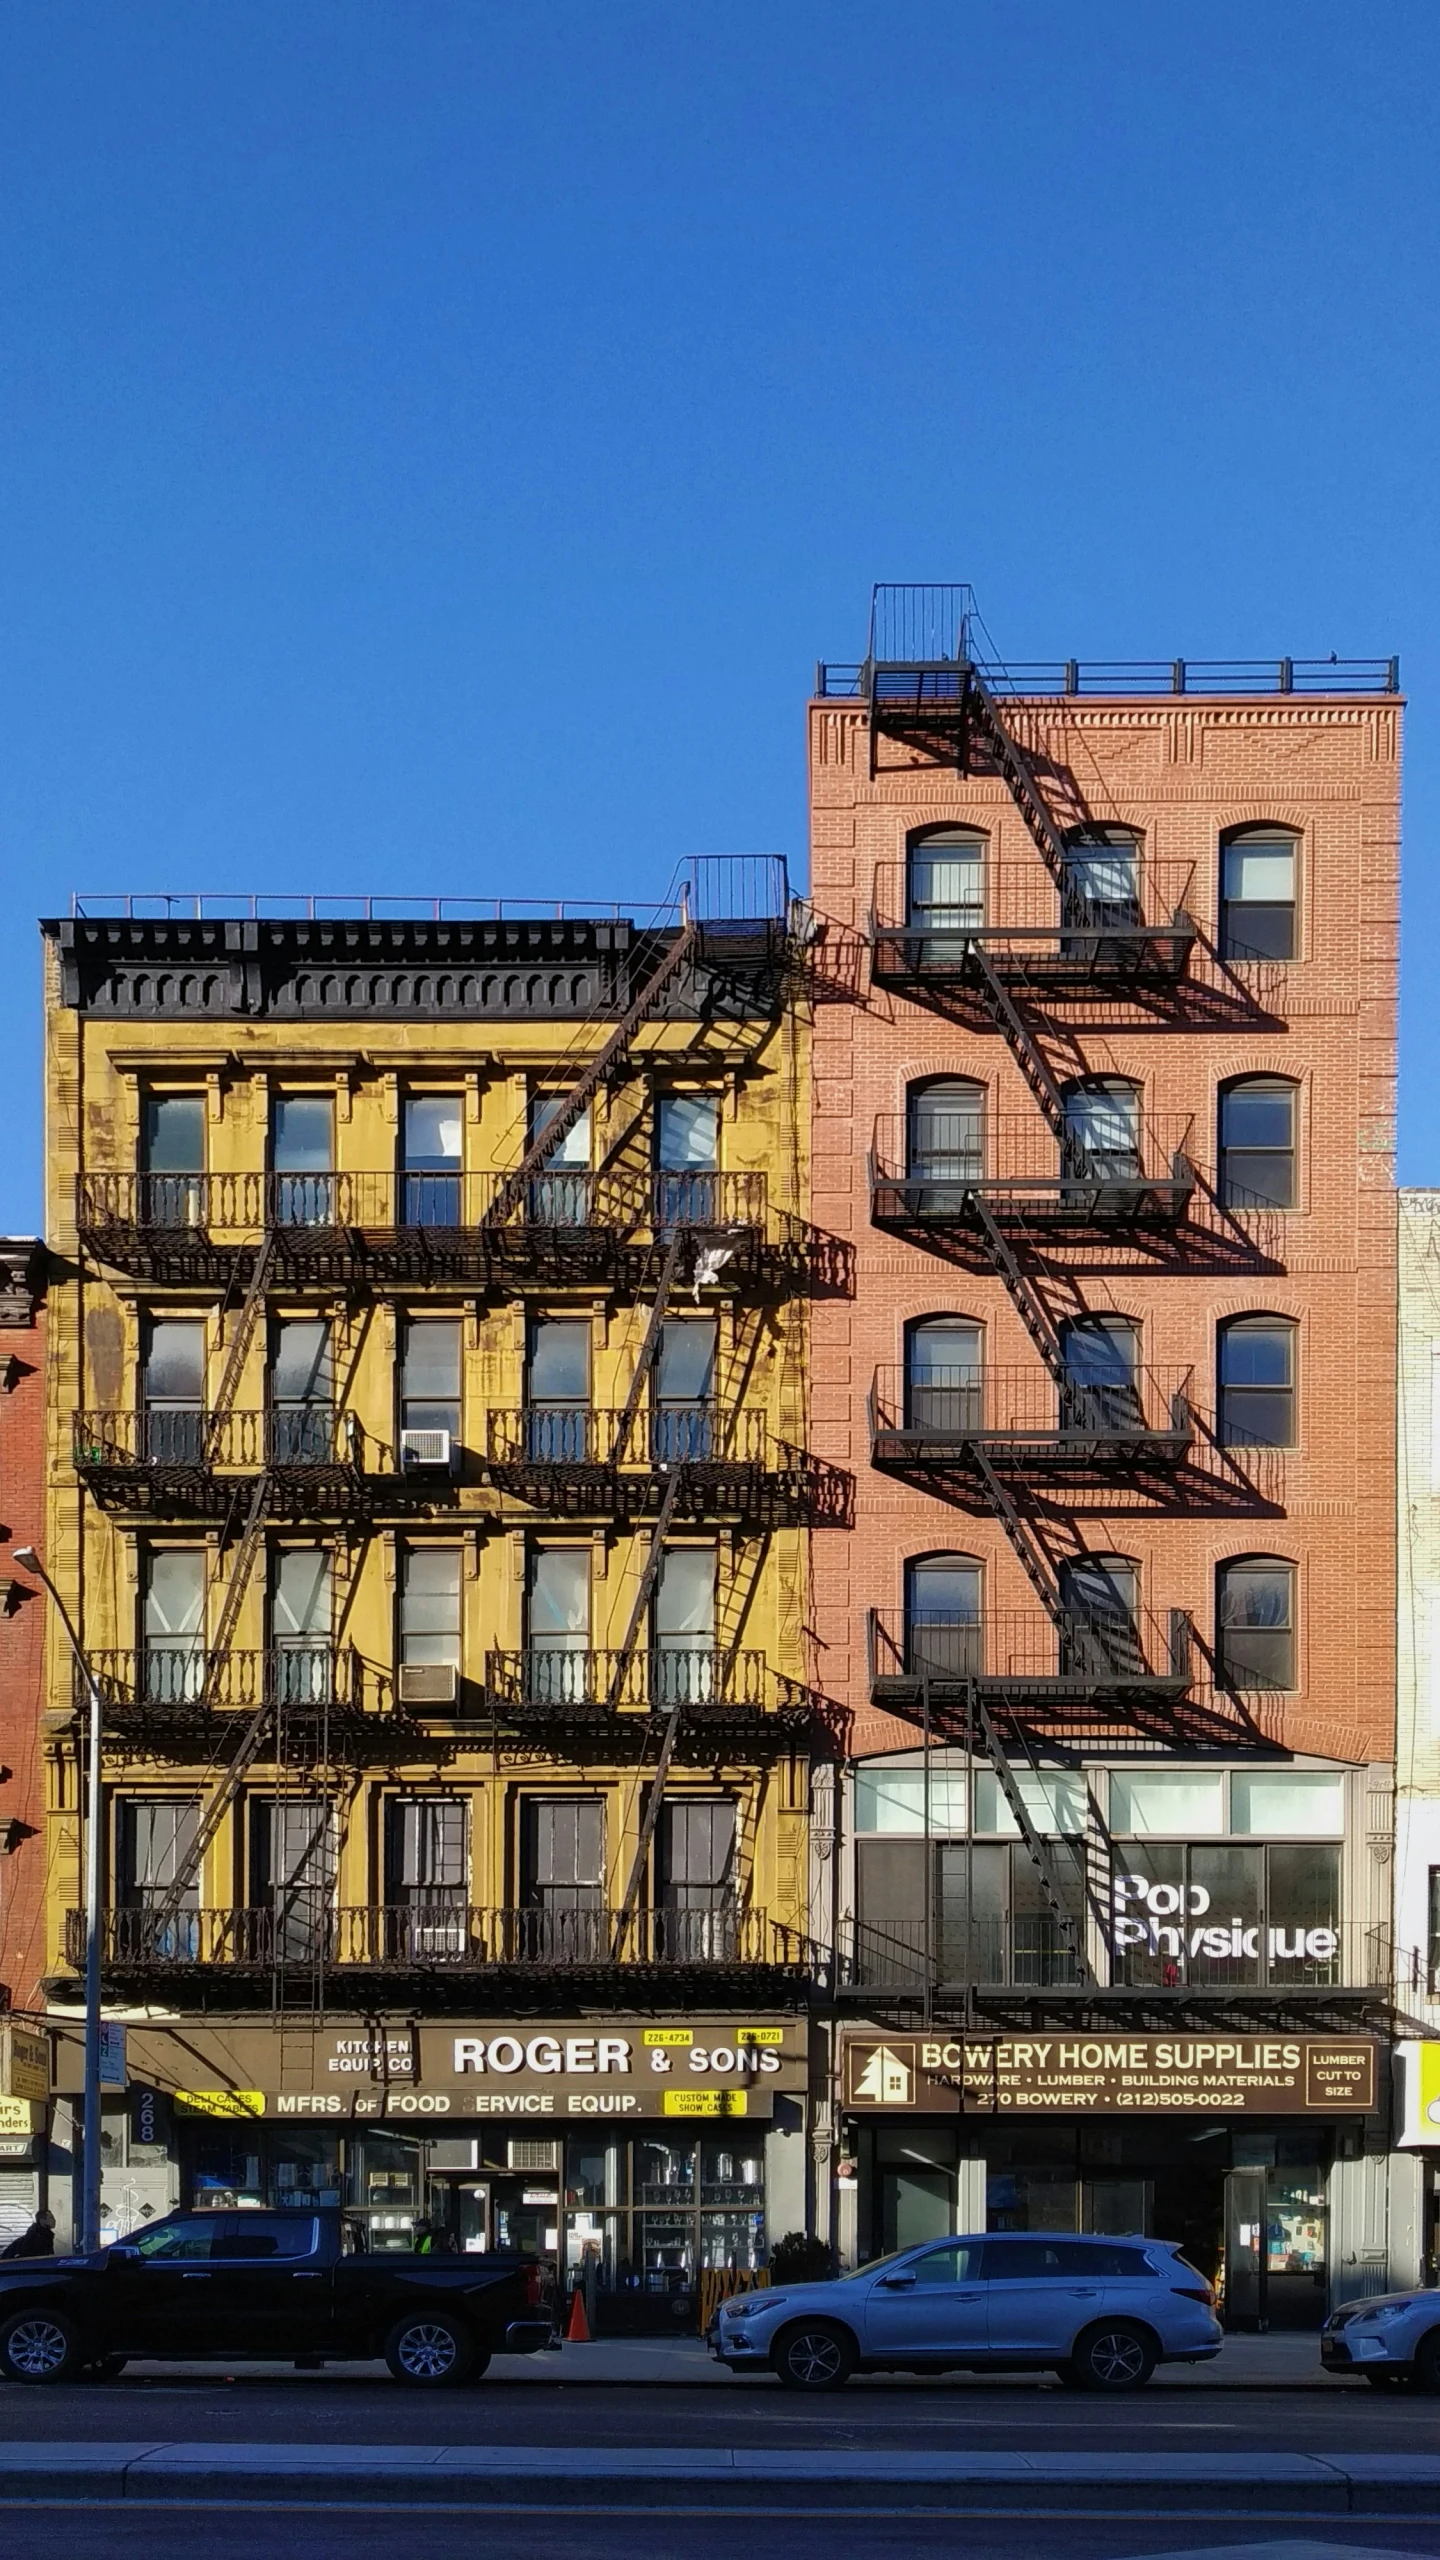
184	1464
1118	925
618	1702
168	1695
941	1430
580	1462
570	1227
929	1180
721	1946
1024	1658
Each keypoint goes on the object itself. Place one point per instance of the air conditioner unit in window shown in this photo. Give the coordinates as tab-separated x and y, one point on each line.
432	1451
429	1684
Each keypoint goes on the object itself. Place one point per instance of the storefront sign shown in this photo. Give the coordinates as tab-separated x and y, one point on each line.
1175	1922
1110	2075
24	2063
113	2069
454	2072
20	2116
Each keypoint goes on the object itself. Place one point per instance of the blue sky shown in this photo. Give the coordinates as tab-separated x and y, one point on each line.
436	441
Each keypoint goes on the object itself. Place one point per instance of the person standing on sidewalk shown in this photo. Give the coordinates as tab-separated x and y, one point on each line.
37	2242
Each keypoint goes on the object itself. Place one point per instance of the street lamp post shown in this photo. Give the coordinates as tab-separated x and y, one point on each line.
90	2162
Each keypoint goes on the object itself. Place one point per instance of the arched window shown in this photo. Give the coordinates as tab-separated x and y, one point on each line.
942	1375
944	1142
1102	1129
1101	1355
944	1623
944	890
1255	1373
1257	893
1257	1143
1101	882
1255	1622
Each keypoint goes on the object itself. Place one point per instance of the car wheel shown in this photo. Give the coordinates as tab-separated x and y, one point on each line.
429	2350
39	2346
106	2368
1115	2355
1426	2367
813	2356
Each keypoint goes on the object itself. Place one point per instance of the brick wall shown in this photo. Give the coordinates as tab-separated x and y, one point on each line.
1180	774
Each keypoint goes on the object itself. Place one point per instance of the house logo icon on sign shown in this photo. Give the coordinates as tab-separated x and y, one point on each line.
882	2075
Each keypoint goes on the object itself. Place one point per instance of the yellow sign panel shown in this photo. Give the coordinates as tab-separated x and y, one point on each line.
220	2102
759	2035
667	2035
24	2063
703	2102
19	2115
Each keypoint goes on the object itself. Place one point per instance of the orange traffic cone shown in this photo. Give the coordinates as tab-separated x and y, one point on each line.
578	2333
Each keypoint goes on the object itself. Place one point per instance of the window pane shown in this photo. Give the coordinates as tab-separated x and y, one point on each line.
1101	1351
1264	874
1177	1802
433	1133
432	1362
685	1597
175	1592
175	1133
1257	1352
175	1362
430	1606
1055	1803
574	1148
301	1371
685	1371
301	1607
304	1133
1284	1804
560	1596
1226	1896
559	1362
687	1130
1257	1115
1256	1635
1304	1901
1147	1903
894	1800
944	1354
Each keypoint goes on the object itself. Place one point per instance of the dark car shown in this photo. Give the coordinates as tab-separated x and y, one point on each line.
298	2285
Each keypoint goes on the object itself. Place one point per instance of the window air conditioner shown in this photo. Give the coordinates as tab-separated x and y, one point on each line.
428	1450
429	1684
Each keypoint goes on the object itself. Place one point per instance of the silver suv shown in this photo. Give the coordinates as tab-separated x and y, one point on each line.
1101	2313
1393	2338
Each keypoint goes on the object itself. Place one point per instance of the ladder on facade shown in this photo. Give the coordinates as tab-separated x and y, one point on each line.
649	1350
511	1193
1036	1849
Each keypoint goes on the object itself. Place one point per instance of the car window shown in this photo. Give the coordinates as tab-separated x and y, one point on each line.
264	2235
1111	2258
958	2262
192	2237
1014	2260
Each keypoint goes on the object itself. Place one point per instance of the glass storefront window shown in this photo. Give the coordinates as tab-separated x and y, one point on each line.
666	2251
594	2172
1055	1801
1226	1912
305	2168
730	2174
894	1800
732	2239
1176	1803
664	2172
1289	1804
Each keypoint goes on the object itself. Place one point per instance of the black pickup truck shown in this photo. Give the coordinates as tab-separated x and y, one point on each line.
295	2285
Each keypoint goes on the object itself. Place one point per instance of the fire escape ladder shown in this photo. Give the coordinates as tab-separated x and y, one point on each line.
645	1588
1022	1538
1021	1041
240	1340
1039	1855
1018	774
512	1190
643	1595
650	1343
231	1780
1028	1303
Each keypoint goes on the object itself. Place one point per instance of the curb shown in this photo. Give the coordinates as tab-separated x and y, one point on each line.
475	2476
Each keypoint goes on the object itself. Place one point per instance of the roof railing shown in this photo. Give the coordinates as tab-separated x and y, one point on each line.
1078	677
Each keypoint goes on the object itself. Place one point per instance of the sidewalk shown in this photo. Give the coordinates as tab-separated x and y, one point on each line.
1282	2363
549	2476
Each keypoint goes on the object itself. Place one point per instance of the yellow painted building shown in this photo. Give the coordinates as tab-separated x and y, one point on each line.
428	1481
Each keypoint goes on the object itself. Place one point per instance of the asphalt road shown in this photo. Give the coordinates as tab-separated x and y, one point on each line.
159	2533
358	2406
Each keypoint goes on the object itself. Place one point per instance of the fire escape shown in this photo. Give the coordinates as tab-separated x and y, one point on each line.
1034	1200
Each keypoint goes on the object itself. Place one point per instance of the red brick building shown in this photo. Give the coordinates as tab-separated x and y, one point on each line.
1108	1120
